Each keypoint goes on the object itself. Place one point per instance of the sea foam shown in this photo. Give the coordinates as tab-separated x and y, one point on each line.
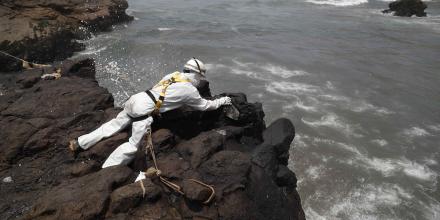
331	120
363	202
416	132
338	2
389	167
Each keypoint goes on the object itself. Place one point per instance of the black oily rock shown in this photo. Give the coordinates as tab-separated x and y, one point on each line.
241	159
407	8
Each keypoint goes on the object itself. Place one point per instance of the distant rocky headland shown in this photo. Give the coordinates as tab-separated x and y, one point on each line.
42	31
245	161
407	8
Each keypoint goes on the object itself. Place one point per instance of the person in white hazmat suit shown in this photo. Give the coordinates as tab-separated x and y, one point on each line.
139	108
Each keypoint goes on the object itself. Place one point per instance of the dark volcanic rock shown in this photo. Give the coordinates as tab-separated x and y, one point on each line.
242	160
82	198
128	196
44	30
407	8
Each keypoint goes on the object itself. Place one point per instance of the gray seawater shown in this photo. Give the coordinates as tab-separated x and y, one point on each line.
362	88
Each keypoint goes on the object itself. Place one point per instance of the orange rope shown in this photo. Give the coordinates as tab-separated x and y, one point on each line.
168	183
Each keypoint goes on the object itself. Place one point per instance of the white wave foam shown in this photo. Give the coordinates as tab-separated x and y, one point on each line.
299	140
435	128
314	172
244	69
395	0
338	2
259	71
333	121
380	142
364	202
355	105
363	106
416	132
290	88
282	71
92	51
165	29
300	105
329	85
429	161
334	97
432	212
346	147
249	73
390	167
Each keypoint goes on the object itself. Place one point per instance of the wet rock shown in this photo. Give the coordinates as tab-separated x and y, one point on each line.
200	148
131	195
29	78
84	167
43	31
195	191
285	177
227	170
233	206
187	123
279	135
243	161
161	209
172	165
15	132
407	8
82	198
163	139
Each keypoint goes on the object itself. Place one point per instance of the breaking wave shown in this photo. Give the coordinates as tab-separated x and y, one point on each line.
416	132
165	29
389	167
290	88
333	121
92	50
259	71
338	2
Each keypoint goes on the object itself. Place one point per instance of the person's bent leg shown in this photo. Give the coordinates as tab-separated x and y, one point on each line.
124	154
105	130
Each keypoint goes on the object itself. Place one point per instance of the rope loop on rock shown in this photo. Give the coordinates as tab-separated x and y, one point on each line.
26	64
150	172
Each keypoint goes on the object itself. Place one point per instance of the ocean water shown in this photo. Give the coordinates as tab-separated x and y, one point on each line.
361	87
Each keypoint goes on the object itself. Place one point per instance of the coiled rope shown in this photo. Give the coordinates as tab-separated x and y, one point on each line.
155	171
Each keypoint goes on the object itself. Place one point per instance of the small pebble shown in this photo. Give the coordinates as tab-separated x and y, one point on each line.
7	179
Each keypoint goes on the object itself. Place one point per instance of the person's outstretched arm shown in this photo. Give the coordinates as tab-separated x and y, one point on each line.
195	101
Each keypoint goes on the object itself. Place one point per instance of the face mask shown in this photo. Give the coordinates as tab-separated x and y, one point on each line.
195	78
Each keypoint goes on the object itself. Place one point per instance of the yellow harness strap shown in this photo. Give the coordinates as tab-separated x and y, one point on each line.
175	78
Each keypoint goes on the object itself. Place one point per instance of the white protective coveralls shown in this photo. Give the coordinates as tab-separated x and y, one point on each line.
136	111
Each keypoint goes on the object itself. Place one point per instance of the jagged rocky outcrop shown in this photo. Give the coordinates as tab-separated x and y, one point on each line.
407	8
45	30
244	161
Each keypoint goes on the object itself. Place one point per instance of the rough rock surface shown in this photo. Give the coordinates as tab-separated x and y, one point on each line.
243	160
407	8
44	30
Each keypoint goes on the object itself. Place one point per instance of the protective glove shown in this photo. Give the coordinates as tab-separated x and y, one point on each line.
225	101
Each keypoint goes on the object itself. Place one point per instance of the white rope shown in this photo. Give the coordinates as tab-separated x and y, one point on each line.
25	63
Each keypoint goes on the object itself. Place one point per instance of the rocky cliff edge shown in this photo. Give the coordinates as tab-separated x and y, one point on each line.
243	160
